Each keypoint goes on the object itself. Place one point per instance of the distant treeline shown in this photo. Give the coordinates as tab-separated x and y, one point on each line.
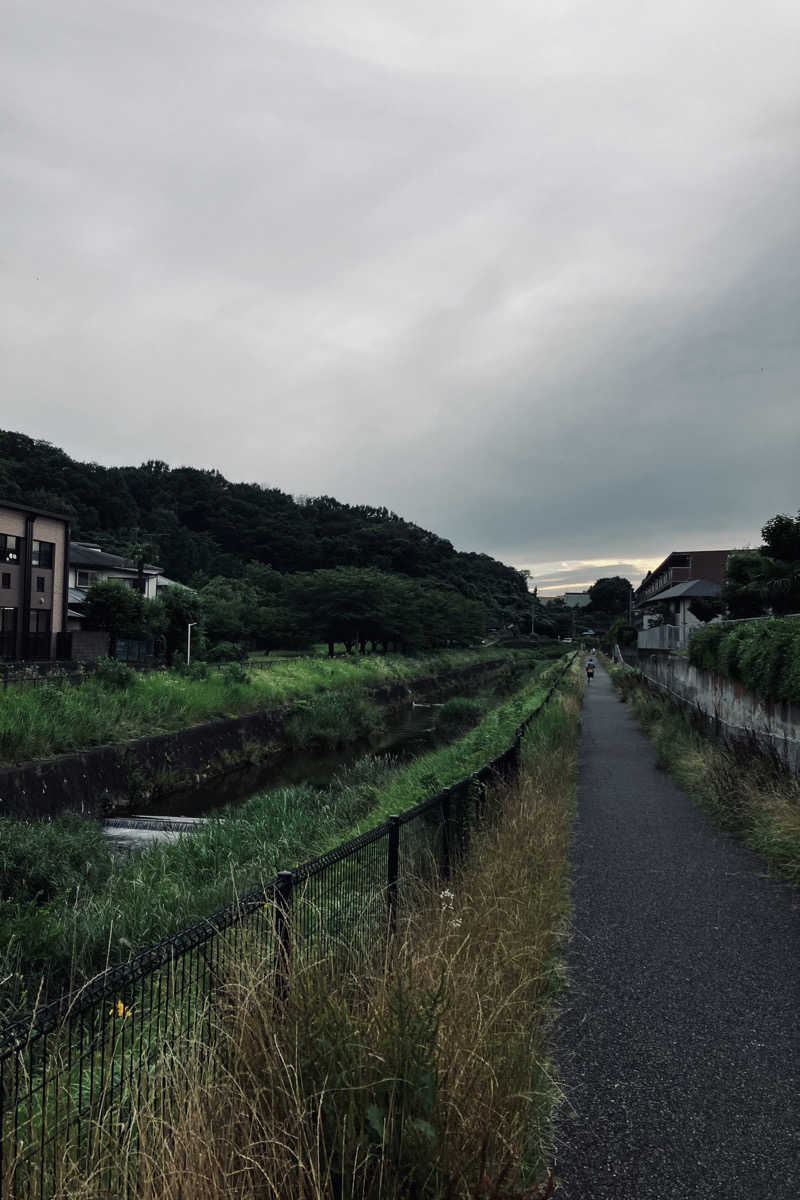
359	608
198	526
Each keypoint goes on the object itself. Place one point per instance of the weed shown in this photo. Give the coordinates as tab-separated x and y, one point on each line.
421	1073
745	792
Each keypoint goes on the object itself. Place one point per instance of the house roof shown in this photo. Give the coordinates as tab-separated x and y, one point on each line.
163	581
692	587
76	595
18	506
82	554
76	616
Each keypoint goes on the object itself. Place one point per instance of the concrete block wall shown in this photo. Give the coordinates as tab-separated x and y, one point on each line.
735	712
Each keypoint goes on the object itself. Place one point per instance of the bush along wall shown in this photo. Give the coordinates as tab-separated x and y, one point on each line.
764	656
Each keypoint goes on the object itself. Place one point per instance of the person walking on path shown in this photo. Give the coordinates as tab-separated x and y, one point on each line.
589	671
679	1044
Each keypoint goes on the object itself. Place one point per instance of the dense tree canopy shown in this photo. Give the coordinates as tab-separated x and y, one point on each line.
768	579
611	595
202	527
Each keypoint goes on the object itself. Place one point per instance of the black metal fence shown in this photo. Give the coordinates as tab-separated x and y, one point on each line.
72	1074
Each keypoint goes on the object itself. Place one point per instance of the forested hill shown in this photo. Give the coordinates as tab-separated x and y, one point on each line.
199	525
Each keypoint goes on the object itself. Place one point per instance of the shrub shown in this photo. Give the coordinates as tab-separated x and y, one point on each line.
225	652
234	672
114	674
764	656
195	670
458	714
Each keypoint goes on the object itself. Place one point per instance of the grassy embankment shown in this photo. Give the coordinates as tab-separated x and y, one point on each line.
68	909
53	719
425	1075
745	792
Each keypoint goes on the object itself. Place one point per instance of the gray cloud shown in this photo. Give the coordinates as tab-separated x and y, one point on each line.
525	273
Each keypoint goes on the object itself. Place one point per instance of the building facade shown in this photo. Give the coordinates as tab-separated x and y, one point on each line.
682	566
34	557
89	564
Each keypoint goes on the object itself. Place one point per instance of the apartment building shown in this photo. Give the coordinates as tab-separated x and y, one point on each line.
34	557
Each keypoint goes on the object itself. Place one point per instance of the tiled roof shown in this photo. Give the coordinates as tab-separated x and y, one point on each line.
81	555
692	587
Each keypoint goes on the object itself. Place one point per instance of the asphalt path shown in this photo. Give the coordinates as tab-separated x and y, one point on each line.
679	1044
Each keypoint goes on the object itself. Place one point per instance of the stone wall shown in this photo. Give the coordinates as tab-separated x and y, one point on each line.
735	713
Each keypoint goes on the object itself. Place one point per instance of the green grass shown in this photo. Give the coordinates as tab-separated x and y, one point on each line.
77	930
38	722
425	1072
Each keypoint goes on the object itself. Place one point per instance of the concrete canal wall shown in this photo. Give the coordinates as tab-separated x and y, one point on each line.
105	780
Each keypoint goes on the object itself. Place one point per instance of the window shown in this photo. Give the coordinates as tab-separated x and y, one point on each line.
85	579
40	583
8	620
43	553
10	548
39	621
6	579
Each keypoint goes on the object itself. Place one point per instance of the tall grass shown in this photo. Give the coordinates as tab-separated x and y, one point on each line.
744	791
73	933
53	719
422	1073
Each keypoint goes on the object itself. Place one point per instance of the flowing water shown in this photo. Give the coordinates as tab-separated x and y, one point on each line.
408	732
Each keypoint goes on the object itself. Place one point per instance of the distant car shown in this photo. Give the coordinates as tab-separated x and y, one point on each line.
566	639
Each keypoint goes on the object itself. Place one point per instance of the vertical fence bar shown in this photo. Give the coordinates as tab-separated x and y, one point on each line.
392	871
283	932
446	859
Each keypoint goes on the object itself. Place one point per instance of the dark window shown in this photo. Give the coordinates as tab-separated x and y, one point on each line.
40	583
8	620
87	578
6	579
43	553
40	621
10	548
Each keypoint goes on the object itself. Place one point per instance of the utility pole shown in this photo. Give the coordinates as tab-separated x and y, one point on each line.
189	641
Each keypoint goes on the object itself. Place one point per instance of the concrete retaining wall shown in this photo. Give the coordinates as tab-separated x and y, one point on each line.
110	779
736	713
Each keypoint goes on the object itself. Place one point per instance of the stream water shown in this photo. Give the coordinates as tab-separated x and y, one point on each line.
408	732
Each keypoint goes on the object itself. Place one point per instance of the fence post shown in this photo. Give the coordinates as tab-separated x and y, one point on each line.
516	758
445	865
462	818
392	870
283	932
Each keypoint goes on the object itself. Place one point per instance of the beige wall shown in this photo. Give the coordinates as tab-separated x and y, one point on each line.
47	530
12	521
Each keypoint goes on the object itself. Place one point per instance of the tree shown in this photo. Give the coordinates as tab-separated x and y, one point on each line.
121	610
611	595
179	606
781	537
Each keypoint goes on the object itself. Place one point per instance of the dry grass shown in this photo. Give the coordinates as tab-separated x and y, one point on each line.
421	1074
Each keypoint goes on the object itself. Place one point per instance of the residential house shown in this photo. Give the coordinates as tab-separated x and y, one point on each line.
34	557
683	576
89	564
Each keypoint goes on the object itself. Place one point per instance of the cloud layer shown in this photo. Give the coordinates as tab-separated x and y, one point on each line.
524	272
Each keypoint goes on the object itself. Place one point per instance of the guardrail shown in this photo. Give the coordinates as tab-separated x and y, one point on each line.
71	1074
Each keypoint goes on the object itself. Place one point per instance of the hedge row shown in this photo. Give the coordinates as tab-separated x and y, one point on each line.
764	656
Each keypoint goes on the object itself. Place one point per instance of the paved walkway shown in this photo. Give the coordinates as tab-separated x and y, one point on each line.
680	1044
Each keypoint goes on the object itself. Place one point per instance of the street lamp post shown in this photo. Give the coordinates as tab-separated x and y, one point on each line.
189	628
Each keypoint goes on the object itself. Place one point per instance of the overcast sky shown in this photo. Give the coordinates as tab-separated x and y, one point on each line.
525	272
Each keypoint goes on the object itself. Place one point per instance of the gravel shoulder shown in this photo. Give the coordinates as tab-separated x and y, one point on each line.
679	1045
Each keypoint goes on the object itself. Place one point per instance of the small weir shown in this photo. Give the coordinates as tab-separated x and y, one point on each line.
408	733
